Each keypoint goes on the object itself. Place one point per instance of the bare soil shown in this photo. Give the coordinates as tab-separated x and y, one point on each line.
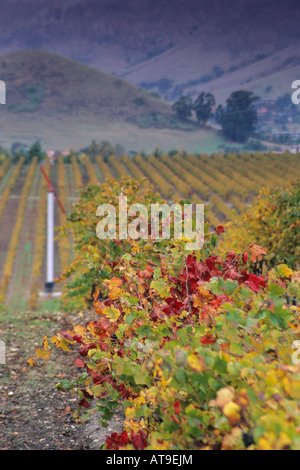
34	413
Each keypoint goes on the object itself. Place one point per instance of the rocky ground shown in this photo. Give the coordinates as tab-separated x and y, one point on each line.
34	413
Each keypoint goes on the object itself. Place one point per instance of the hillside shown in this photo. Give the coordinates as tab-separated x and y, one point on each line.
173	47
268	75
66	86
66	104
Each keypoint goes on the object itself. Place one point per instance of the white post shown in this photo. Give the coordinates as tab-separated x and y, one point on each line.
2	92
50	242
2	352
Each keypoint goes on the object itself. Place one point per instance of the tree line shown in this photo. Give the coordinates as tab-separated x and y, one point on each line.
237	118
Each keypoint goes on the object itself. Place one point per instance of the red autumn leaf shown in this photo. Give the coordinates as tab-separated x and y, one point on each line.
79	362
124	392
230	255
208	339
190	261
84	351
105	323
257	252
175	419
210	262
84	403
123	438
78	339
147	273
87	394
67	335
115	440
219	229
245	257
255	282
177	407
139	440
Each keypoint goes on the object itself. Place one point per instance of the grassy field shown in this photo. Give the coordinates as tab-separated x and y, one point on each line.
70	104
226	185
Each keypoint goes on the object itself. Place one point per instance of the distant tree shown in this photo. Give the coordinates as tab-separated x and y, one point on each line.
239	118
183	107
17	151
219	113
203	107
104	148
157	152
283	103
93	150
119	150
35	151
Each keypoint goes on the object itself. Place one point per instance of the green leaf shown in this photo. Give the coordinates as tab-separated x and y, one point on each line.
220	366
156	274
216	285
230	286
246	293
275	289
236	348
161	286
181	375
142	377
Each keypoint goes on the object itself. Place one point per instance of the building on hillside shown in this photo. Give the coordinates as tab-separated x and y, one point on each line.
295	149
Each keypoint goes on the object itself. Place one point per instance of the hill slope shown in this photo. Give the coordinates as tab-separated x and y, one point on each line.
268	75
67	104
163	44
66	86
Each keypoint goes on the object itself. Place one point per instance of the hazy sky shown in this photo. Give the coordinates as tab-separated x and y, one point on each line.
24	20
87	29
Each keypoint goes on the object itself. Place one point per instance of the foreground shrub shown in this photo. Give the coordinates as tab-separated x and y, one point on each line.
272	222
199	352
96	258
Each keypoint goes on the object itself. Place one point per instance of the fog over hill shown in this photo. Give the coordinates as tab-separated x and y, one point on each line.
172	47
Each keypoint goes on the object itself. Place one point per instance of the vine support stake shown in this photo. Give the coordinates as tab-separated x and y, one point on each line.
49	284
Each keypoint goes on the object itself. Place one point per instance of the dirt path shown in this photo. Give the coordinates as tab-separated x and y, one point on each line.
19	288
8	218
34	414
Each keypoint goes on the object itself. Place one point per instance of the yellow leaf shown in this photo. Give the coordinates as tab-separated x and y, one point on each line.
233	440
131	426
112	313
284	271
243	398
140	400
283	441
130	412
271	378
294	389
190	408
224	396
264	444
60	342
40	353
232	412
196	362
79	330
45	343
31	362
151	394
